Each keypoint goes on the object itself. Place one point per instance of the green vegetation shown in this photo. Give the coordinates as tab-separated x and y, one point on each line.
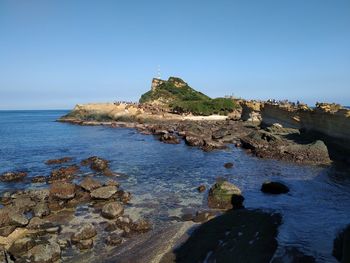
181	98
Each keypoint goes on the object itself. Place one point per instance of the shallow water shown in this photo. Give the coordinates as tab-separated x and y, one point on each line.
163	178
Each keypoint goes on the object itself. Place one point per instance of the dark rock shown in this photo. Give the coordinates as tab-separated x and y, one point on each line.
62	190
86	231
90	184
341	246
104	192
201	188
274	188
169	138
224	195
194	141
96	163
39	179
12	176
228	165
114	239
41	210
21	246
59	161
141	226
85	244
112	210
187	217
64	173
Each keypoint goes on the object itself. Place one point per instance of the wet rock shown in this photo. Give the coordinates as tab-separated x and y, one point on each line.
187	217
201	188
21	246
64	173
124	196
59	161
104	192
228	165
274	188
341	246
86	231
7	230
90	184
224	195
111	182
62	190
84	244
210	145
39	194
17	219
141	226
96	163
23	203
12	176
45	253
112	210
169	138
194	141
38	223
39	179
114	239
41	210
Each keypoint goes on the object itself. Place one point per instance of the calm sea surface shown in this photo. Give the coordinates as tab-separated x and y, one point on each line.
163	178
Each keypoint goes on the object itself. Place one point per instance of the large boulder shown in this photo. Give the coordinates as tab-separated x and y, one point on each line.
86	231
169	138
274	188
12	176
104	192
41	209
112	210
45	253
62	190
224	195
194	140
21	246
90	184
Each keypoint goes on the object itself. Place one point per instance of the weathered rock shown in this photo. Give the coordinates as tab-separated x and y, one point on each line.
220	133
64	173
23	203
41	210
210	145
124	196
341	246
7	230
112	210
114	239
90	184
104	192
21	246
39	179
17	218
224	195
169	138
12	176
111	182
96	163
85	244
202	216
274	188
59	161
86	231
194	141
228	165
62	190
45	253
141	226
201	188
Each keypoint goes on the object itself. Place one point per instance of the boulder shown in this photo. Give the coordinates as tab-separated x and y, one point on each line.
18	219
86	231
141	226
12	176
59	161
228	165
274	188
194	141
114	239
64	173
96	163
45	253
224	195
21	246
90	184
104	192
201	188
169	138
62	190
41	210
112	210
39	179
85	244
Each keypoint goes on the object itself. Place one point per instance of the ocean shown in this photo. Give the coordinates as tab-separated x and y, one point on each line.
163	178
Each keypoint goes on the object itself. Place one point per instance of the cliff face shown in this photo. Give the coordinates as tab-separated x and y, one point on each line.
325	120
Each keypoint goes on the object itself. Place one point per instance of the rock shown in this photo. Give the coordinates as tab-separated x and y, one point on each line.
86	231
62	190
202	216
274	188
220	133
85	244
112	210
111	182
23	203
201	188
90	184
12	176
224	195
187	217
39	179
194	141
141	226
114	239
96	163
7	230
124	197
41	210
39	194
45	253
169	138
104	192
341	246
210	145
21	246
59	161
228	165
17	219
64	173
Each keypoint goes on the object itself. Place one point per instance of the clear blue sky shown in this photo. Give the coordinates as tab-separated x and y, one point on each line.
54	54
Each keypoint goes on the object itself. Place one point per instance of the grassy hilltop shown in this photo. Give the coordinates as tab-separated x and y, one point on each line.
179	97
